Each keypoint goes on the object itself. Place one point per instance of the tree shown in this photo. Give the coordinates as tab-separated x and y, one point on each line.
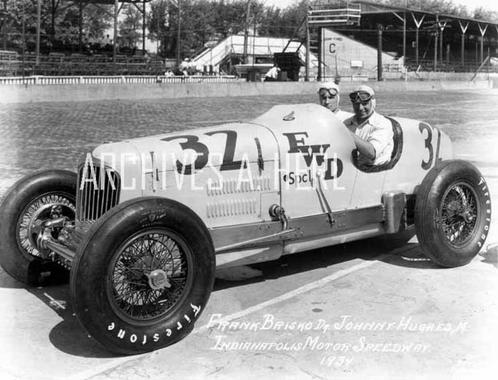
481	13
59	26
96	22
158	25
446	7
201	21
130	27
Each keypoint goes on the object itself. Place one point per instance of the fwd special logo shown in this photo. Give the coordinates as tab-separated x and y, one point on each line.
316	153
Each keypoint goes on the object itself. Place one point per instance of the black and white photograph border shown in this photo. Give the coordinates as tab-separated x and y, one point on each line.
314	305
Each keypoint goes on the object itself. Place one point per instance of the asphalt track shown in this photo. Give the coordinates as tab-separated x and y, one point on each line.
324	290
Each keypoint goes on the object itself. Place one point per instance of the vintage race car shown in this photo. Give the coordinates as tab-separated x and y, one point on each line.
144	223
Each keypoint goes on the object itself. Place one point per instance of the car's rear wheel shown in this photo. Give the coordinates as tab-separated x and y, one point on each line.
452	213
30	202
143	275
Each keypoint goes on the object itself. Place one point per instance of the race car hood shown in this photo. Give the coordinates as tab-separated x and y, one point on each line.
226	146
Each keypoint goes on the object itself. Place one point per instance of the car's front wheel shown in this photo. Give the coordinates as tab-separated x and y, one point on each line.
31	202
452	213
143	275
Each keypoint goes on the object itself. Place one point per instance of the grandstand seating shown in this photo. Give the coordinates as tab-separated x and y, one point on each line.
54	63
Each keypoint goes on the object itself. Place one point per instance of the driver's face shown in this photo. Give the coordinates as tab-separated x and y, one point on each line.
328	99
363	110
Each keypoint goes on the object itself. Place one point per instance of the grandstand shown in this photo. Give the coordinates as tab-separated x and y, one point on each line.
48	55
422	40
14	64
228	54
354	38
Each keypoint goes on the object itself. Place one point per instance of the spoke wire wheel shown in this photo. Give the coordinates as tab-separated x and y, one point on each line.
142	275
37	211
458	214
149	276
452	213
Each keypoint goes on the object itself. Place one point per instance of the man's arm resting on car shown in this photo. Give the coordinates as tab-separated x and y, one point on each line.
365	148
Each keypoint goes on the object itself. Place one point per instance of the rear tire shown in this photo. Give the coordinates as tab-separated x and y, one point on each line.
452	213
143	275
27	204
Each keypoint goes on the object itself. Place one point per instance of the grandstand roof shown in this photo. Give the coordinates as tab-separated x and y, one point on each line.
392	16
369	7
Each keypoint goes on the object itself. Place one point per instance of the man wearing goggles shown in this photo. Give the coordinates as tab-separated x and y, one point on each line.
360	97
328	95
372	132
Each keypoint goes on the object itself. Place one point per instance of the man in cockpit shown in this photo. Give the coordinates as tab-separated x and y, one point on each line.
372	132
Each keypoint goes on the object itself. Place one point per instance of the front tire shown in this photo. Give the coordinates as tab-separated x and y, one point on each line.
143	275
31	201
452	213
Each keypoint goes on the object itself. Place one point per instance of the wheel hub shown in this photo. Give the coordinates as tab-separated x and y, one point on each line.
458	212
158	279
149	275
467	216
31	228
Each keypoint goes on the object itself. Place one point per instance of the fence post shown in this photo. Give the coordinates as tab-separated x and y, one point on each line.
379	52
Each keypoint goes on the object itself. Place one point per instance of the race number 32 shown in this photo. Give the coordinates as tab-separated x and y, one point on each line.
426	130
202	152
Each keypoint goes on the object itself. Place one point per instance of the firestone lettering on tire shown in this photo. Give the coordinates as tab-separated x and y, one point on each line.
484	188
133	338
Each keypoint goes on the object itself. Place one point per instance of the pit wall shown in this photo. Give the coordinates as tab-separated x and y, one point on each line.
78	93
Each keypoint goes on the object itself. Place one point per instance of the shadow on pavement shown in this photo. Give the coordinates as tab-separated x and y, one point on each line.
398	253
410	256
490	255
70	337
301	262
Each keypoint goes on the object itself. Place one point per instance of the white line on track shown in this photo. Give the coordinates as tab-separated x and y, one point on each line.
54	302
94	371
293	293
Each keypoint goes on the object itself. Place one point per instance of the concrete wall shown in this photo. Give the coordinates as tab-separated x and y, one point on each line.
65	93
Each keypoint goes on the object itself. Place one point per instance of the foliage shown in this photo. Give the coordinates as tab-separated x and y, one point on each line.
201	21
130	29
446	7
284	23
59	26
436	6
481	13
97	20
207	20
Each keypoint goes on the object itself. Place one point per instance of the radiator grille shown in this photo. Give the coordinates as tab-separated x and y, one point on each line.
98	191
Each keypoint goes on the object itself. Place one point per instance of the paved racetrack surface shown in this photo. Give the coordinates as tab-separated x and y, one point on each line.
336	290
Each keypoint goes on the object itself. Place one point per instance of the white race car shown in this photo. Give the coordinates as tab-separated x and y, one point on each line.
145	222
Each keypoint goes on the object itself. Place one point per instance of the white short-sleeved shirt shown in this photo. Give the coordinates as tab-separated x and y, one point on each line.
378	131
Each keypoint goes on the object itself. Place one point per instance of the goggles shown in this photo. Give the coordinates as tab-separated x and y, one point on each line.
327	92
360	97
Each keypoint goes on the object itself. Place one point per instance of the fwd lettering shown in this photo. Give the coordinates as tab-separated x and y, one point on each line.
317	153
